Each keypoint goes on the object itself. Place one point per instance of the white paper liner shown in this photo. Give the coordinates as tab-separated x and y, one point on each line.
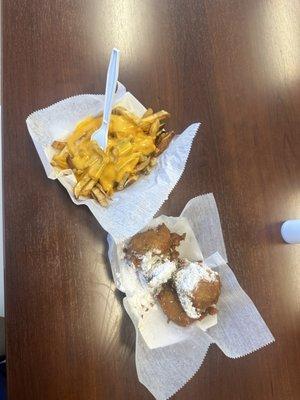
134	207
240	329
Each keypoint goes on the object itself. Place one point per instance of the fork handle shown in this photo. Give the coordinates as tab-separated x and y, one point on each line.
111	82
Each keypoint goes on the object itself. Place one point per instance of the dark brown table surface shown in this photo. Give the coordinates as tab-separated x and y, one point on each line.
234	65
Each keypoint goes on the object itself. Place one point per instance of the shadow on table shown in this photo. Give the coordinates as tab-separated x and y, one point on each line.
273	231
127	330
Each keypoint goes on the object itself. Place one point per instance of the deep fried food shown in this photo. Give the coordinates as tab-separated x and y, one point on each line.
198	288
172	307
58	145
133	145
163	142
206	294
186	291
147	121
159	240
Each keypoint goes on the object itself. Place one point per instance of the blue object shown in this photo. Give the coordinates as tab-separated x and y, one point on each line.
3	380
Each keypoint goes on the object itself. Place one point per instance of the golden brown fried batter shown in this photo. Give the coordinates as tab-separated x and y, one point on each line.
153	239
176	239
206	294
159	240
172	307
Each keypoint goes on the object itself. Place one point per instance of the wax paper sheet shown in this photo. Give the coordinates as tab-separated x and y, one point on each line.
240	328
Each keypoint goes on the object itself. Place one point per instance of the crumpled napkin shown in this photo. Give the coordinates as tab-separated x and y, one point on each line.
133	208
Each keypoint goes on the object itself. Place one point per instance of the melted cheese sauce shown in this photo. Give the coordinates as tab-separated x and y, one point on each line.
127	143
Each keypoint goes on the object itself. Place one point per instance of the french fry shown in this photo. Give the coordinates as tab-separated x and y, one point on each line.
147	170
114	154
60	159
153	161
99	186
131	180
122	182
147	113
141	166
164	142
154	128
88	188
57	145
99	196
59	164
80	185
70	163
127	114
146	122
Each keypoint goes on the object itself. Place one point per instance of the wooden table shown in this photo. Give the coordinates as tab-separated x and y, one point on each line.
234	65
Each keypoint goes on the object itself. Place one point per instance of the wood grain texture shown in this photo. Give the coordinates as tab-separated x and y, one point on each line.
234	65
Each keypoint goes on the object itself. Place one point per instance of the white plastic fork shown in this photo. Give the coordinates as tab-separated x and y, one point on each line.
101	135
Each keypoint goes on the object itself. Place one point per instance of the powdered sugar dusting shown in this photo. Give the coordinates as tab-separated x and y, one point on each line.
141	302
188	306
149	262
156	269
162	273
186	281
187	278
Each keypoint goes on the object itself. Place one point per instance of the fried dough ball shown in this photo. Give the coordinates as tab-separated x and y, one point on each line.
172	307
157	240
206	294
198	288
